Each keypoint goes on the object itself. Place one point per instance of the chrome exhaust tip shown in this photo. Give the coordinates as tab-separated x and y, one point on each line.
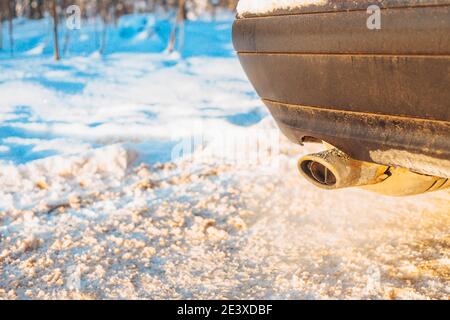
333	169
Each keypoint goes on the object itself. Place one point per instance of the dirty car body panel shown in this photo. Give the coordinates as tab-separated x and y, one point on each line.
380	96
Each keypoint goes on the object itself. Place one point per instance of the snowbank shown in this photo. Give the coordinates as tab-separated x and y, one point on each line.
53	180
267	6
131	94
94	226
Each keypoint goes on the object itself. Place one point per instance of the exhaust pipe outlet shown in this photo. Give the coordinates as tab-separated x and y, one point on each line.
333	169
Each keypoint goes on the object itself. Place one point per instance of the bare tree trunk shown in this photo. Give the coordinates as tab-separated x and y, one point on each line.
114	13
66	43
11	26
103	39
1	29
2	16
55	31
96	28
214	5
105	14
35	9
151	5
179	23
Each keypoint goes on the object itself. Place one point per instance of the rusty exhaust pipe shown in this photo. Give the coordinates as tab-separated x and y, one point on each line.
333	169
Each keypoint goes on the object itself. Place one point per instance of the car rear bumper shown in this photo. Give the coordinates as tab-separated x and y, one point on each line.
379	95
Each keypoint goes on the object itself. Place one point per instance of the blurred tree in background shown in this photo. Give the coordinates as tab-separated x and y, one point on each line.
107	11
36	9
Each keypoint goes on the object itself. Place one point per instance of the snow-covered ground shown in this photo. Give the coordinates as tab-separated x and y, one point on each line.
267	6
126	95
93	204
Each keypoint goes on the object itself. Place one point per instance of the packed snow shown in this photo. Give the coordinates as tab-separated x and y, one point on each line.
89	100
267	6
133	174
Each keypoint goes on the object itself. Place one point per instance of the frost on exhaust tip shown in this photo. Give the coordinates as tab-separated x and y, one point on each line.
267	6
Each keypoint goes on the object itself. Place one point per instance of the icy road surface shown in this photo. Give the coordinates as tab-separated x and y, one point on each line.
87	212
103	228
